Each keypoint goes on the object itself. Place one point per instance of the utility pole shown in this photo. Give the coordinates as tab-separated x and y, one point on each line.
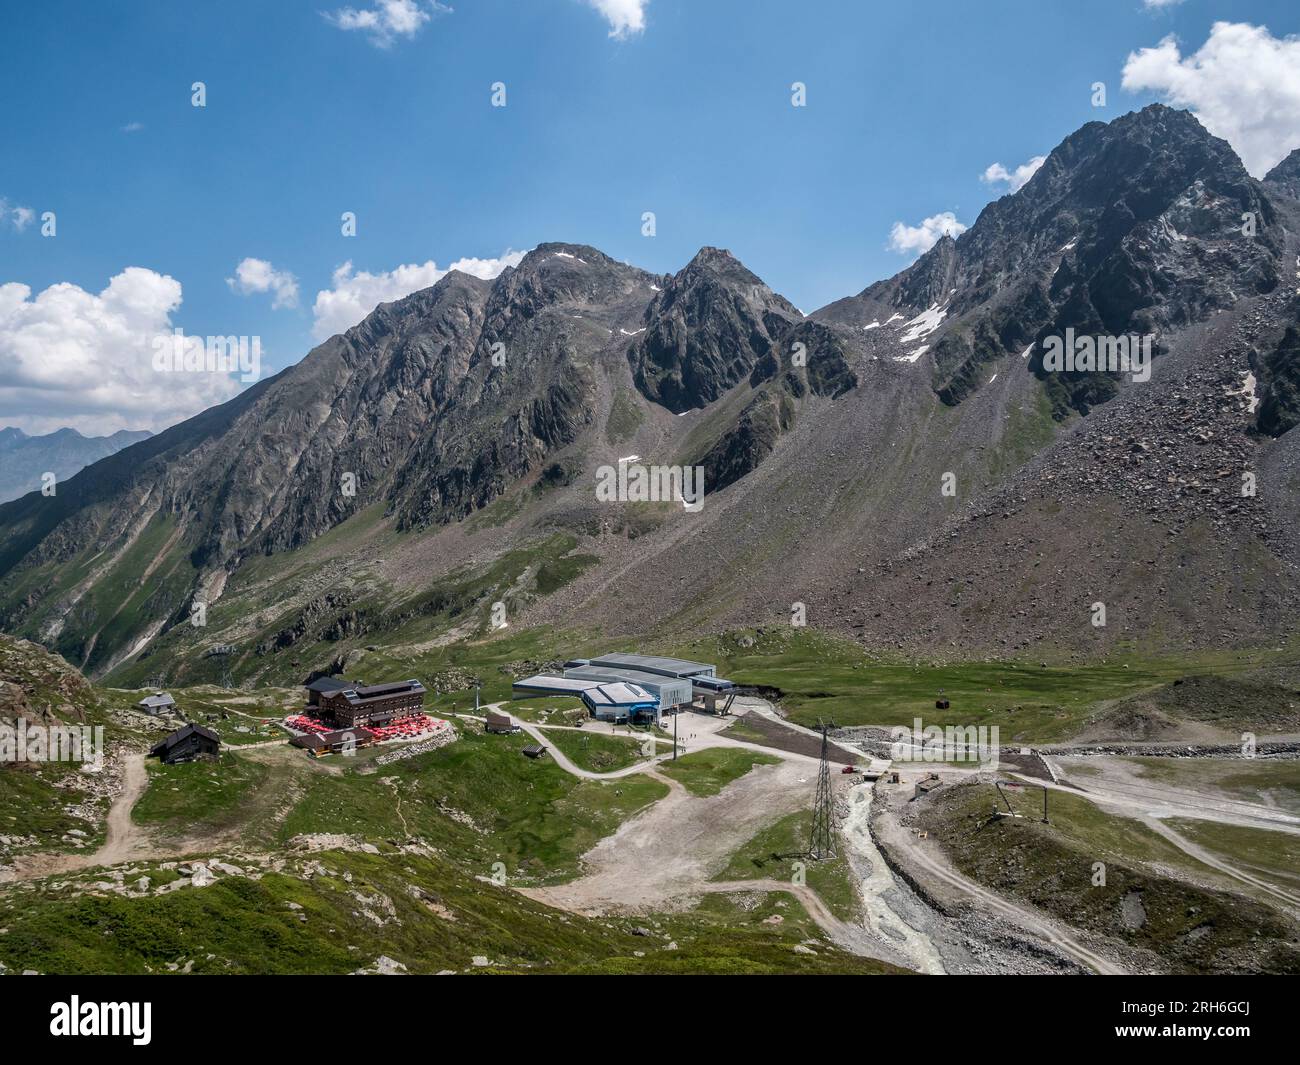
822	842
676	714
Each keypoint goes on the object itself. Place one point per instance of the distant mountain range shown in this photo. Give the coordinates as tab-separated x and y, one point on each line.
24	460
902	466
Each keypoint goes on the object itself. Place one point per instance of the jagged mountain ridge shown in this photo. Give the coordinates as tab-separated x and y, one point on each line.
706	331
832	430
24	459
431	408
1129	227
1286	175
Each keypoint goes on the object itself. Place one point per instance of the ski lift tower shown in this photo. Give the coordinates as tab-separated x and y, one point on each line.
821	845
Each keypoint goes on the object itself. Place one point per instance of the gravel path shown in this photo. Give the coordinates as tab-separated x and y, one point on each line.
123	838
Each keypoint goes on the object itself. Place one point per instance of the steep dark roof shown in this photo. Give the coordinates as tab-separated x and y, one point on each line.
181	734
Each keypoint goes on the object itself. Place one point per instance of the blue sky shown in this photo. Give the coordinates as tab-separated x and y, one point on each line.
687	115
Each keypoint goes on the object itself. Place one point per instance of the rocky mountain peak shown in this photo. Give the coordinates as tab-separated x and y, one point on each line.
1132	226
720	263
558	273
1286	175
711	324
556	254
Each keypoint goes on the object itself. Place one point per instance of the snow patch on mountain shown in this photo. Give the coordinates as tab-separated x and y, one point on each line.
924	323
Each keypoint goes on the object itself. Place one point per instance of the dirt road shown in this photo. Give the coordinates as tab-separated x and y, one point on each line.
123	839
848	936
663	858
1290	899
1137	797
565	763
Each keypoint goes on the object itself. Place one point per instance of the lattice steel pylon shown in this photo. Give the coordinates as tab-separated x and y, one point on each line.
821	845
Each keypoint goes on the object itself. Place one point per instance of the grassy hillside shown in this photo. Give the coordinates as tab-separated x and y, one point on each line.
450	835
40	684
201	796
51	805
545	710
779	851
600	752
823	677
1272	856
707	772
338	912
1226	705
304	609
478	800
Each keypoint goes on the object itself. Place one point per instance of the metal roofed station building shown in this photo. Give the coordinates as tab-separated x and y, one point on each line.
630	687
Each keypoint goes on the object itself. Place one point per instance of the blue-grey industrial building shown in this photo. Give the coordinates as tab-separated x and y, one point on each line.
668	683
608	701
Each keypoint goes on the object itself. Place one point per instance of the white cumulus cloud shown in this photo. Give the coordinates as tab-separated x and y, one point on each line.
354	294
997	174
387	20
917	240
625	17
257	275
69	357
1242	83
